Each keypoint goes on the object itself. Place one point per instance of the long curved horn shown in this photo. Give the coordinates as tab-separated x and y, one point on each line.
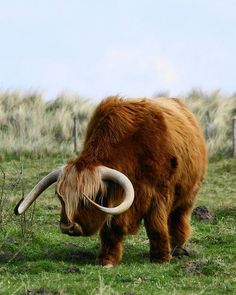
122	180
25	203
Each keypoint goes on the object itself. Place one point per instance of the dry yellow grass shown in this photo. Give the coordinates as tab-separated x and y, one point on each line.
30	125
215	112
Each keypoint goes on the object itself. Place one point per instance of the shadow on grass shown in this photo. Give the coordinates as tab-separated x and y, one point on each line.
49	252
42	251
43	256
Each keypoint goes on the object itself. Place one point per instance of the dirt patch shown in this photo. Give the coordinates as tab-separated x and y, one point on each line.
205	266
195	266
72	269
201	213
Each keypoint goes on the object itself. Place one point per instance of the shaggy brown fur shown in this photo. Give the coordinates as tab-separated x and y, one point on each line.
159	145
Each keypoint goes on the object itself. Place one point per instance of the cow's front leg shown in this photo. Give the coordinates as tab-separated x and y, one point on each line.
111	249
157	230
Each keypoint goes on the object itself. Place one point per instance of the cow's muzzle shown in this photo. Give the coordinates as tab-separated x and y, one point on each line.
73	229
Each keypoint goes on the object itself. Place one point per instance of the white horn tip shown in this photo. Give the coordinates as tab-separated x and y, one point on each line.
17	209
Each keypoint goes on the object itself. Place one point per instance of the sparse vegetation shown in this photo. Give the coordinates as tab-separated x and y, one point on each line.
31	126
215	113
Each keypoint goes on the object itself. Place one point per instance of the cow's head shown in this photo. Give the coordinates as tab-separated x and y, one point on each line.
79	192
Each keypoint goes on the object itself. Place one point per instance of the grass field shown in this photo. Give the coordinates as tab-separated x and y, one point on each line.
35	258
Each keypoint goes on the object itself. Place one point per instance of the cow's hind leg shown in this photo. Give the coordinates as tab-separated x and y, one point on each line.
179	226
156	224
111	249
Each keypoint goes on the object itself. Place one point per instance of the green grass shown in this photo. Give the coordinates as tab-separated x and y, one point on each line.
36	257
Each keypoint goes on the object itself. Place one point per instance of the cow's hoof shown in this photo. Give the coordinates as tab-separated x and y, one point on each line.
180	252
106	263
109	265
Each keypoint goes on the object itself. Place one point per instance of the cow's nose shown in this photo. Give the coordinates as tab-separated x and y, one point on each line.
65	228
71	229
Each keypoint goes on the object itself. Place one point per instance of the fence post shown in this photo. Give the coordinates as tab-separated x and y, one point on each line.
206	132
75	134
234	137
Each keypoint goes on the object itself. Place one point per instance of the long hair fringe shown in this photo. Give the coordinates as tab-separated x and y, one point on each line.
73	184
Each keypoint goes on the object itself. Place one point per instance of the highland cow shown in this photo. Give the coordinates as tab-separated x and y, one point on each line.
142	159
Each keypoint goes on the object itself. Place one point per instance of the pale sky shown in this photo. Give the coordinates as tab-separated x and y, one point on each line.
129	47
